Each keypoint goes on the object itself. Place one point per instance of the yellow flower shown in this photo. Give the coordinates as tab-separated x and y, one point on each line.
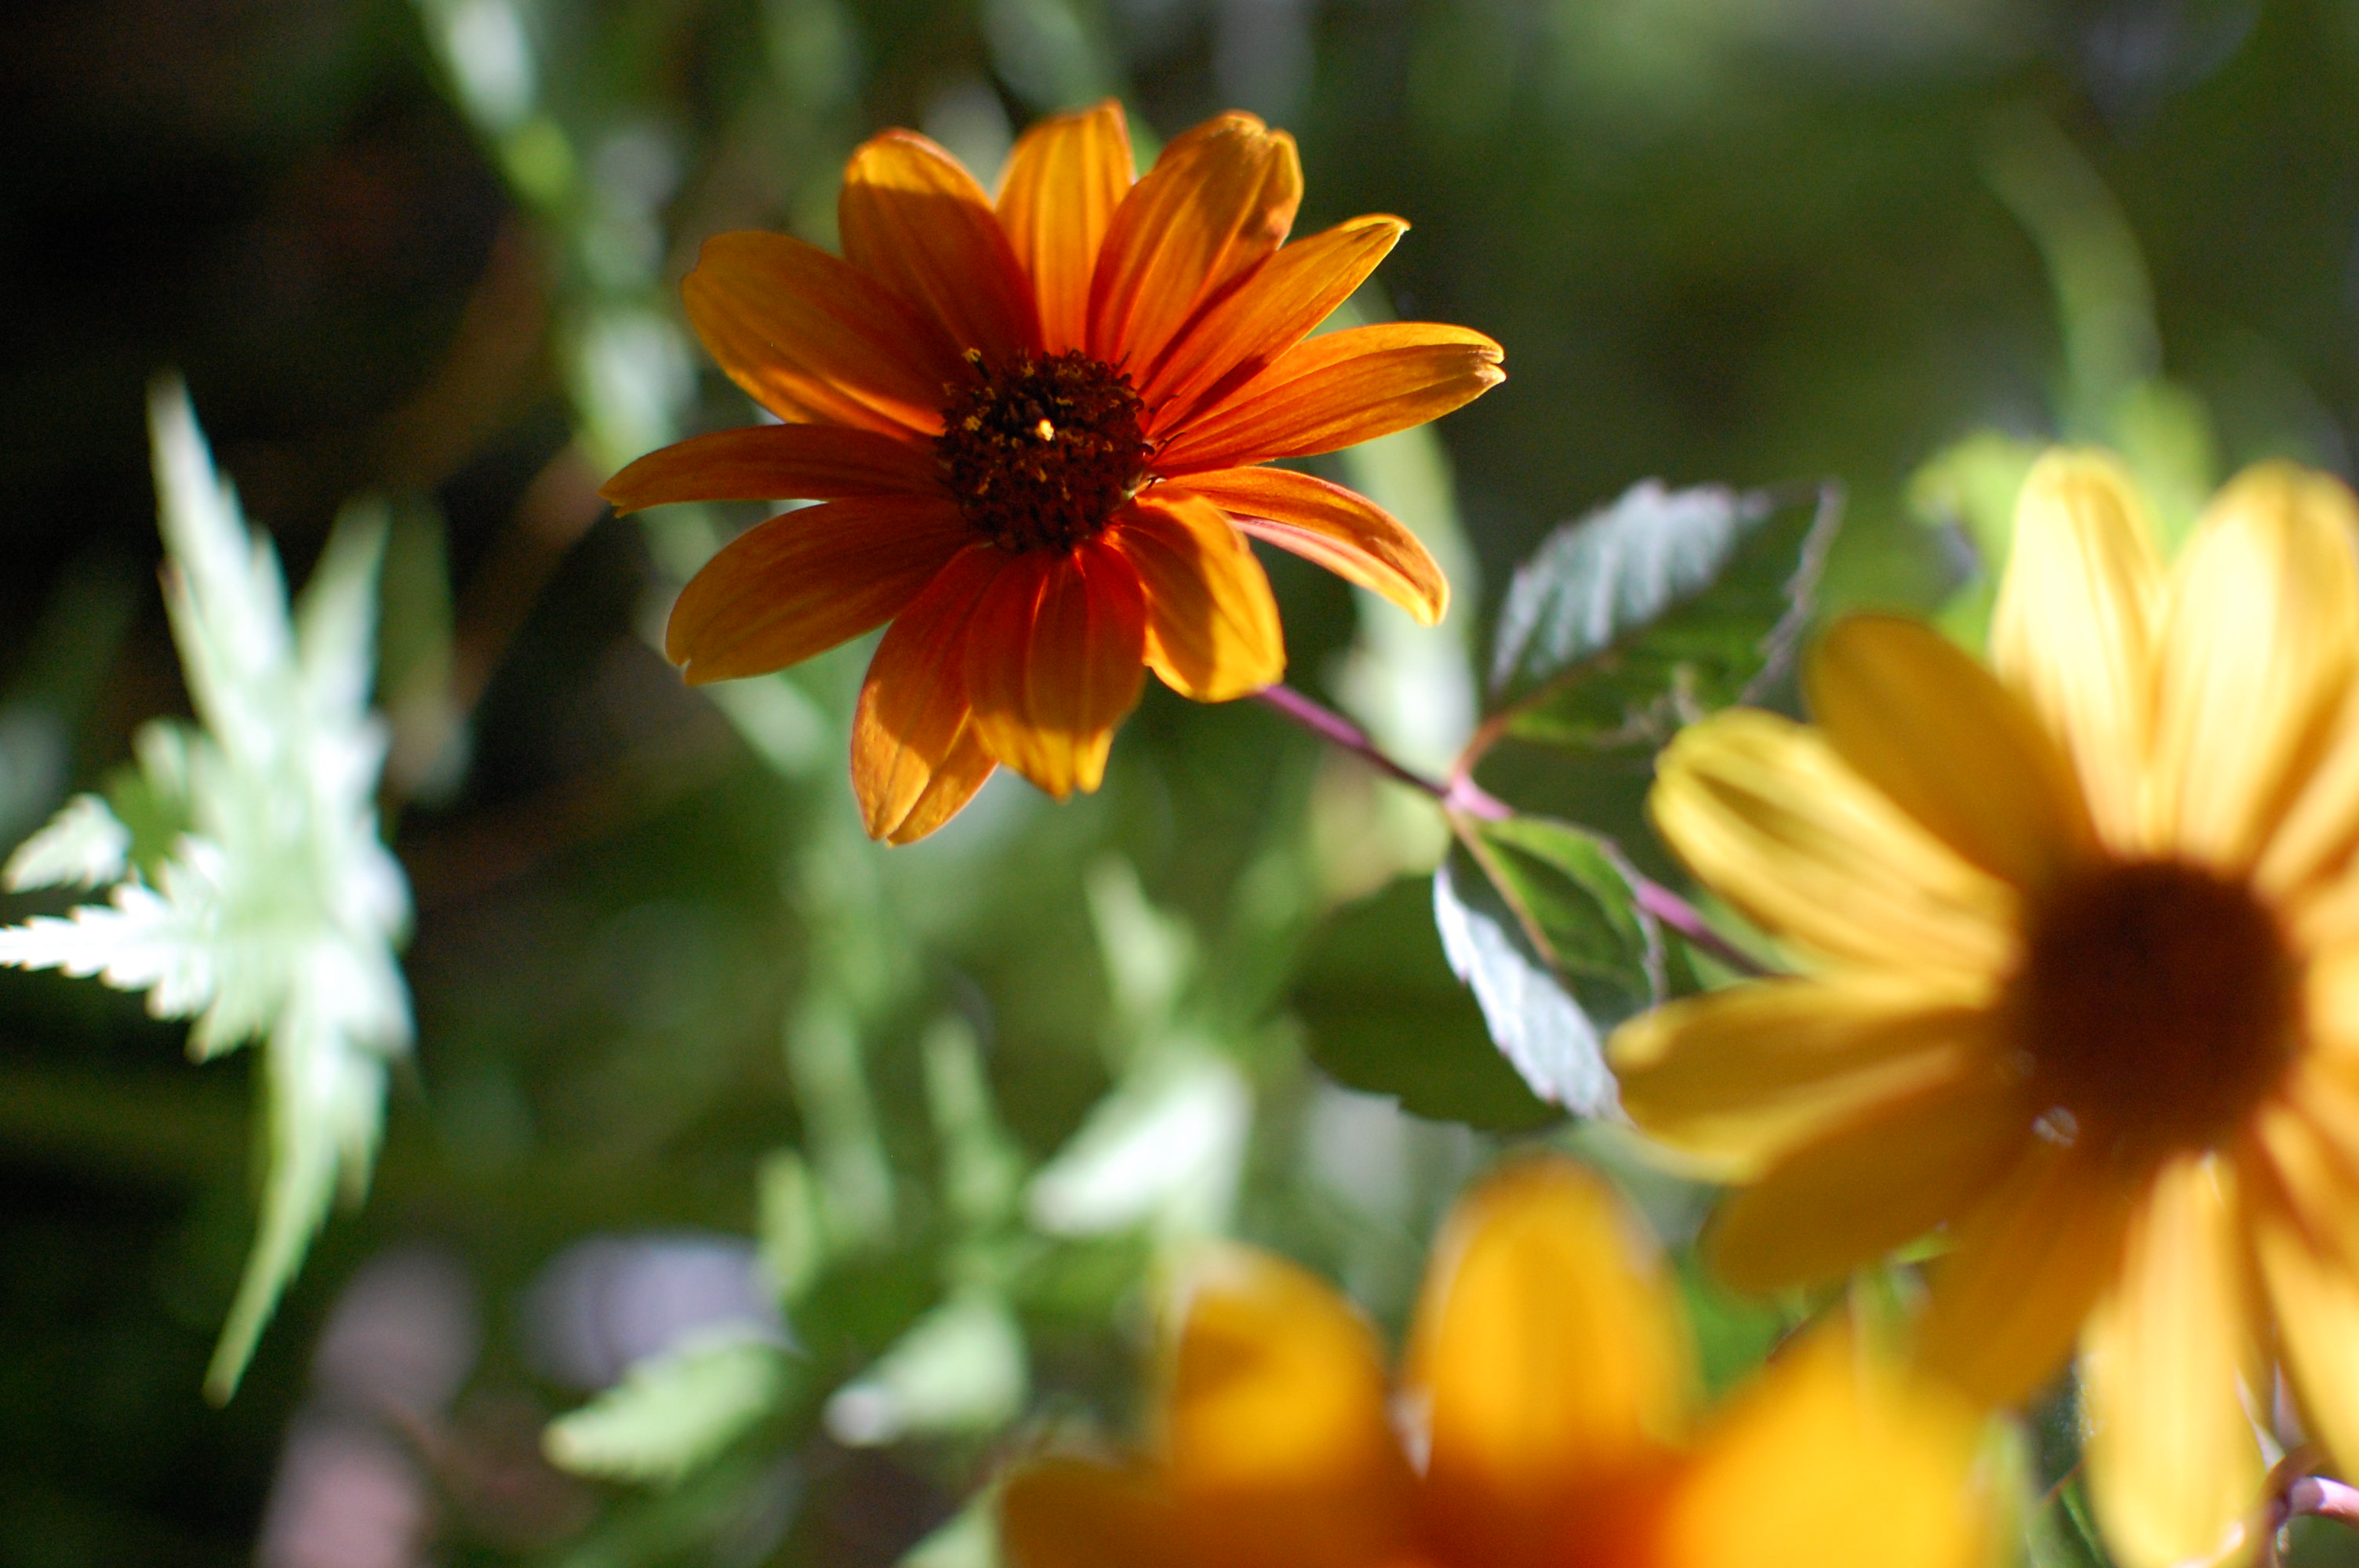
1035	423
1546	1407
2084	944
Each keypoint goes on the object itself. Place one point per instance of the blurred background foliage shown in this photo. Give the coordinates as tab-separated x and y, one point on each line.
814	1177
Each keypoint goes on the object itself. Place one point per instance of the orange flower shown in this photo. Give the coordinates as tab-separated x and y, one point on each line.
1034	426
1547	1404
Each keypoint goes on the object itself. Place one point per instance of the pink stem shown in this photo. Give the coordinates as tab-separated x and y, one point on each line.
1462	795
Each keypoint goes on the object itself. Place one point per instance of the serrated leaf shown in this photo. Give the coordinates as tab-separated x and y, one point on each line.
260	901
84	845
1653	611
673	1412
1383	1013
961	1368
1539	919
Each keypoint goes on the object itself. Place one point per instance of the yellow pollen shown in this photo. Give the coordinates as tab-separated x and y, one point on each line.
1047	432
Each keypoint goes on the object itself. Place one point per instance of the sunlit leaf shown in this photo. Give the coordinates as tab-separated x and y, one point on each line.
1539	918
674	1411
85	844
961	1368
273	914
1655	610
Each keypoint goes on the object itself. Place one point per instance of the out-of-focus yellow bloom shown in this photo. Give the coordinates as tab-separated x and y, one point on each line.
1543	1422
1036	424
2084	944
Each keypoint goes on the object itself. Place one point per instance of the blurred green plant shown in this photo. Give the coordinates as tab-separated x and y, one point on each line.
250	891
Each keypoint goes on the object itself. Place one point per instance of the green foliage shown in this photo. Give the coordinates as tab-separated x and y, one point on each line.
1381	1011
1653	611
673	1413
274	916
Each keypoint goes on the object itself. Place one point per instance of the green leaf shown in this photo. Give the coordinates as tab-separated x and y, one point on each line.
1540	921
673	1412
1383	1013
1655	610
253	893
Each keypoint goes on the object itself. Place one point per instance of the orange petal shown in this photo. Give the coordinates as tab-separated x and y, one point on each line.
1054	660
1888	1177
2009	1301
1831	1459
1918	718
1070	1513
775	462
804	581
1064	180
912	717
1336	528
1279	1448
1219	198
913	219
1266	315
965	770
1211	625
811	336
2167	1362
1550	1355
1337	390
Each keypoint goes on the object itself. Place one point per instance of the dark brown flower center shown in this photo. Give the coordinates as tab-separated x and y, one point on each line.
1041	450
2161	1005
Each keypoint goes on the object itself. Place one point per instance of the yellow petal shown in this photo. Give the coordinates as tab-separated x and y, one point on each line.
804	581
809	337
1737	1078
2028	1265
1334	528
1070	1513
1212	626
1064	180
1278	1446
1054	660
1766	816
1219	198
2075	625
1944	741
2314	1294
1264	316
911	723
2256	653
1832	1459
1337	390
776	463
1549	1356
2309	855
913	219
2173	1466
1895	1172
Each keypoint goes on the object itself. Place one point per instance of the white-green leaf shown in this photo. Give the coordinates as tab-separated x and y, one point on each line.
83	846
274	916
672	1412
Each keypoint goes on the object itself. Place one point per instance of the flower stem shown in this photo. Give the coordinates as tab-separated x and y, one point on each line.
2293	1492
1463	795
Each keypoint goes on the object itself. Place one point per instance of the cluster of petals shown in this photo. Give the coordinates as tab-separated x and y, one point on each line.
1179	284
1545	1419
2079	934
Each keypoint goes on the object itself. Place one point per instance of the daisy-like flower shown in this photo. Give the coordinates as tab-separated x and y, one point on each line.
1543	1423
1035	424
2082	952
